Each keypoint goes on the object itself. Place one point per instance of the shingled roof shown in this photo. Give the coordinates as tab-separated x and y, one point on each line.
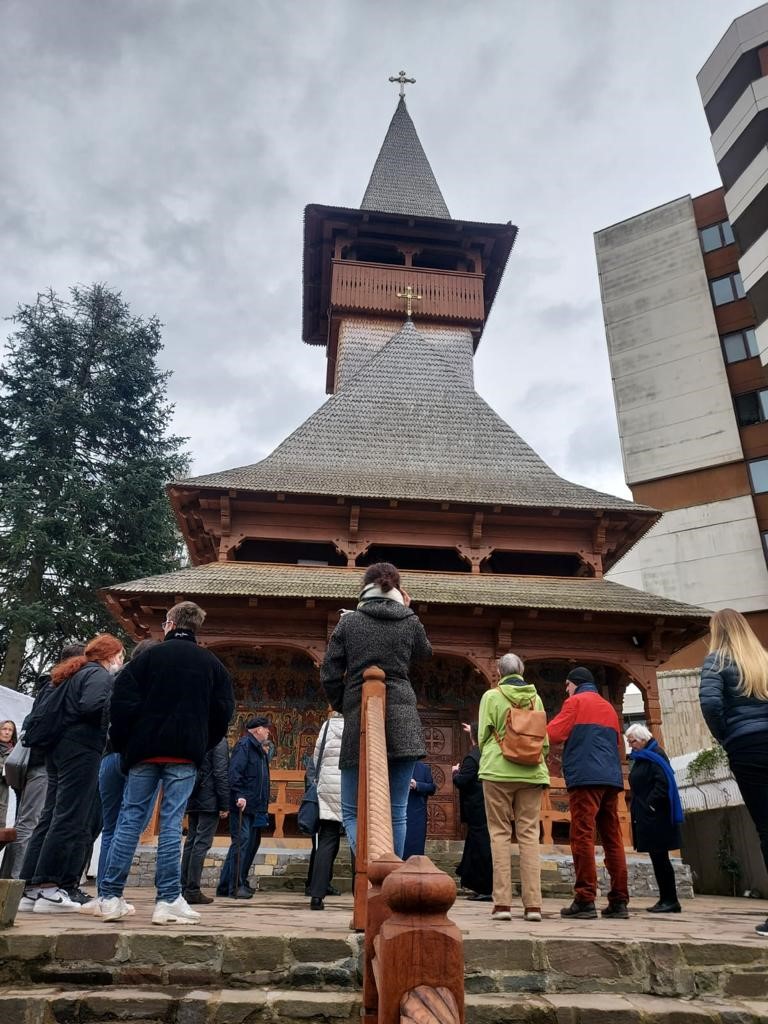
256	579
402	180
408	427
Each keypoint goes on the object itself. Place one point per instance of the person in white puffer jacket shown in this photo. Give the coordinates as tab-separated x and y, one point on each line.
329	800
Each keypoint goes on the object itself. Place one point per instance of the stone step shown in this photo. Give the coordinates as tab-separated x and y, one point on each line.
318	953
281	1006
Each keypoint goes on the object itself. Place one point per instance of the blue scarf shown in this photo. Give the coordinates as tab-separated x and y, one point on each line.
649	753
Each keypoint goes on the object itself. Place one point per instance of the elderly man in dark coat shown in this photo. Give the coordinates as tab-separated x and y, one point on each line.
248	807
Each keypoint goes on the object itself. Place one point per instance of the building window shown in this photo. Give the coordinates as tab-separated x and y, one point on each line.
752	408
739	345
758	472
716	236
726	289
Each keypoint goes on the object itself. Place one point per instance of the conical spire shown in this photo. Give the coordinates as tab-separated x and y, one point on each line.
402	180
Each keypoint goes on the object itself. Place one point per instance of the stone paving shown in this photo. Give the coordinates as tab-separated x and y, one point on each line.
704	918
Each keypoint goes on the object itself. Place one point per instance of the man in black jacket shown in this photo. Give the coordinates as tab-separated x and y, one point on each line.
208	803
169	707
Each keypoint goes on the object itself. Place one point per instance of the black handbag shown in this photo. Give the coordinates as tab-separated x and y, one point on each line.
308	817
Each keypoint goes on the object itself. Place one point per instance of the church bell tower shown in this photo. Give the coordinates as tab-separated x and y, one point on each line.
400	254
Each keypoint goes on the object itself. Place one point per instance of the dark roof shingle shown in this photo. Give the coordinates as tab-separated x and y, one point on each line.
255	579
402	180
408	427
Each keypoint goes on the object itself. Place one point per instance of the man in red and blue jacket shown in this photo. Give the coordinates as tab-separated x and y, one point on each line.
589	727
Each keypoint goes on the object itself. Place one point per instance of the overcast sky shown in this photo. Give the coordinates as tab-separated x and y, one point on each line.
168	148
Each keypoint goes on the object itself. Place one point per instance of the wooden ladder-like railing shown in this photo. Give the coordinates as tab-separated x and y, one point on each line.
413	952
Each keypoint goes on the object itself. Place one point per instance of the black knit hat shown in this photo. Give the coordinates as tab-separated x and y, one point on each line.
257	721
579	676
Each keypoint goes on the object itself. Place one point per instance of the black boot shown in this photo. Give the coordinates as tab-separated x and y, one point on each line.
316	903
581	910
617	910
668	907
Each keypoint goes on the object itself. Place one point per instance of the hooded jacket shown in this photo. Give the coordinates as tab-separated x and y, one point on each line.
494	706
589	727
384	633
730	715
329	779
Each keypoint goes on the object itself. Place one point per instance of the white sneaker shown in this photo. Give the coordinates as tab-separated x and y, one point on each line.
55	901
532	915
27	904
178	912
95	907
114	908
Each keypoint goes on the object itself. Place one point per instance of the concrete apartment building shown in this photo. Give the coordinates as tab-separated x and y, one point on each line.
685	301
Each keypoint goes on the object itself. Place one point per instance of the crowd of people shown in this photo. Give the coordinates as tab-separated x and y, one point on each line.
104	738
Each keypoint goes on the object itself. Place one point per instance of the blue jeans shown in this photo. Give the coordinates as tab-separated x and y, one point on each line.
400	775
249	835
111	788
177	781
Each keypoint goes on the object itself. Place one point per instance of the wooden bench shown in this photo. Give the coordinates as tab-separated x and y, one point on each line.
554	808
286	792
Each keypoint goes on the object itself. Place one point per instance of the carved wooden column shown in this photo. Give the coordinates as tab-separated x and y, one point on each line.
419	951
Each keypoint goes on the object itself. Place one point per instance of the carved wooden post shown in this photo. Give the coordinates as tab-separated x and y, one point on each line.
377	911
419	962
372	789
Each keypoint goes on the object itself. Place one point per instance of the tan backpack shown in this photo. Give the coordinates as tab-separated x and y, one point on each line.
524	733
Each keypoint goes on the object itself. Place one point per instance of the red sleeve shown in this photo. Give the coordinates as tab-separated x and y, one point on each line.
559	729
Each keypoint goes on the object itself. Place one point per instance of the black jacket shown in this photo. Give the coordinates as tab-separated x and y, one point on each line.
174	700
211	792
387	634
471	802
249	778
729	714
652	827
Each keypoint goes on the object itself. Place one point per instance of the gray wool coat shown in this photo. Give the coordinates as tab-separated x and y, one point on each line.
387	634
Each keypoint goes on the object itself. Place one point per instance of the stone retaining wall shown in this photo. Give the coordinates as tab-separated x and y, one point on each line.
314	963
557	869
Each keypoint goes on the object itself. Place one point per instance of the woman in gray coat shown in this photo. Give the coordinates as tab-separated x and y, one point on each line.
383	631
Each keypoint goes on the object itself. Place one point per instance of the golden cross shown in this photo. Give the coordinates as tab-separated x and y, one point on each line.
401	79
410	297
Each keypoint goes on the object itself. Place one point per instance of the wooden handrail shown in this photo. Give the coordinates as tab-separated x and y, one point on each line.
413	953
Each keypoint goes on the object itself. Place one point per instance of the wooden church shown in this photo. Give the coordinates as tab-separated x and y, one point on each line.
405	462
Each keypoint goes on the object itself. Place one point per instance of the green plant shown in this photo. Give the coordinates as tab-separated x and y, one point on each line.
706	761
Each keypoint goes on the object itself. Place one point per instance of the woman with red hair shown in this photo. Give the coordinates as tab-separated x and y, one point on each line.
58	846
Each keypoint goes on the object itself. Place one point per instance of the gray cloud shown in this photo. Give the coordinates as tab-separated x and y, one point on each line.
169	149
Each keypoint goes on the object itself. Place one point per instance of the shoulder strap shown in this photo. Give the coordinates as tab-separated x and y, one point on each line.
322	748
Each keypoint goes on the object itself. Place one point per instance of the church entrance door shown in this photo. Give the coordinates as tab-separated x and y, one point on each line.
445	746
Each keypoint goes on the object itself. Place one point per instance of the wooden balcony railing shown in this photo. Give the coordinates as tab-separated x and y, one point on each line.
373	288
413	953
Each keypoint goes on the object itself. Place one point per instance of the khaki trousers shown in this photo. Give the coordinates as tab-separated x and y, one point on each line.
518	803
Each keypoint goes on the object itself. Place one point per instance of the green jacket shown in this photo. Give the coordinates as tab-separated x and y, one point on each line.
493	715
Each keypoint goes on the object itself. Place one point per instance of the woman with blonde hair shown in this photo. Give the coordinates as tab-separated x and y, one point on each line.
734	701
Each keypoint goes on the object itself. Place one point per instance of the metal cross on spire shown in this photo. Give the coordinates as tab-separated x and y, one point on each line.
410	297
402	80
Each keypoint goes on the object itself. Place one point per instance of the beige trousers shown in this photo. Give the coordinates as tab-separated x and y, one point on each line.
519	803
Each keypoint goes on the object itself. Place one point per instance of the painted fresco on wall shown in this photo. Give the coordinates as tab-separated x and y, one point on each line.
285	685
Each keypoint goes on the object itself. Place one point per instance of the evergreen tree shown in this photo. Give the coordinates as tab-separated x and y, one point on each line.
84	460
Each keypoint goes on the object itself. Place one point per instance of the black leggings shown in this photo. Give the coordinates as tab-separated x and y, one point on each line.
665	875
751	774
